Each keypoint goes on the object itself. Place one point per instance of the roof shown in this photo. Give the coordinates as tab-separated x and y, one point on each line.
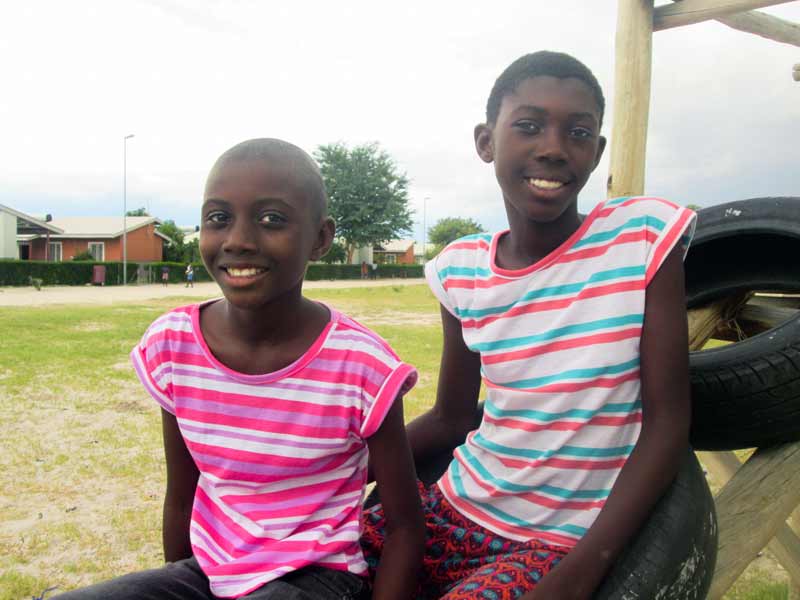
29	224
395	246
105	227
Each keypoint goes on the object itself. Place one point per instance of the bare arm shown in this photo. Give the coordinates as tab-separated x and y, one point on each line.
403	548
656	457
445	425
182	475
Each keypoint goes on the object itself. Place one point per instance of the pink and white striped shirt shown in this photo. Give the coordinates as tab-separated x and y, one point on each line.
559	348
282	456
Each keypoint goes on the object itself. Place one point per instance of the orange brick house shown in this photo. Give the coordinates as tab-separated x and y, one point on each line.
100	236
395	252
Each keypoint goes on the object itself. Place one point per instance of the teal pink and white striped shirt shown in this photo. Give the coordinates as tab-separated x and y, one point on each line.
559	347
282	456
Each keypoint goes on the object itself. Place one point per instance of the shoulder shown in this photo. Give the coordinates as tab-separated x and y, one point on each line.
653	207
351	335
171	325
467	251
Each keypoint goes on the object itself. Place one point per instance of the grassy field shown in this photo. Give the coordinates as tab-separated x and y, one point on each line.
81	467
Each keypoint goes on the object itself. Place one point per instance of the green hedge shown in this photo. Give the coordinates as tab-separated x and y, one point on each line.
17	272
79	272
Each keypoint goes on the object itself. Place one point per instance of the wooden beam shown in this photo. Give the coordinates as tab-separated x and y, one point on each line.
764	25
785	545
704	320
687	12
633	63
752	508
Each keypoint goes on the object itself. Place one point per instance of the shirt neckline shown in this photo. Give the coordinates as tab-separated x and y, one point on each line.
261	378
545	260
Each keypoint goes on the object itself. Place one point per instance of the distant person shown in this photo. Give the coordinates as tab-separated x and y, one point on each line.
165	275
189	276
271	403
374	270
364	270
575	327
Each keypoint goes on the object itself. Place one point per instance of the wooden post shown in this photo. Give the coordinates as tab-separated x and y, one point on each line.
633	64
785	545
753	508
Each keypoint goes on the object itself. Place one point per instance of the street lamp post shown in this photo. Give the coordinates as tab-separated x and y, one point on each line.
125	208
424	231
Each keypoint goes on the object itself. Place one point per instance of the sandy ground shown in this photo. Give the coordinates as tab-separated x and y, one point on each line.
29	296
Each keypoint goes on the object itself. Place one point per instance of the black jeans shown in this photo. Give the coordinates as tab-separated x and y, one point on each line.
184	580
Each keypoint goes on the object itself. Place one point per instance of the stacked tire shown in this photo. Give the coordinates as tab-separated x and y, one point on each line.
746	394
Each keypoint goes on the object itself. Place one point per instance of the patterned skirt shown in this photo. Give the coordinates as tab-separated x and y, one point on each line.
462	559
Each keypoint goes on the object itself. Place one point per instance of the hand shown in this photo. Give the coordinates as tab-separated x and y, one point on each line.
554	587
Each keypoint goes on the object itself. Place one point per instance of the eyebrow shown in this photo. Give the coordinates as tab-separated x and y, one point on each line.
542	111
258	201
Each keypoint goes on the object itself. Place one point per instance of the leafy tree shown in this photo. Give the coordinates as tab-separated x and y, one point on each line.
451	228
173	252
368	196
694	207
337	254
139	212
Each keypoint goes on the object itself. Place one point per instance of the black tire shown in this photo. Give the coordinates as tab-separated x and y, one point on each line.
674	554
746	394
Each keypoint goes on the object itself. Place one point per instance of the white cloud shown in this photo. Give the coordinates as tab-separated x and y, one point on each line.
189	79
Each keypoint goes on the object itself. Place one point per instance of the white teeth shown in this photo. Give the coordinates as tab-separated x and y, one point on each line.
546	184
243	272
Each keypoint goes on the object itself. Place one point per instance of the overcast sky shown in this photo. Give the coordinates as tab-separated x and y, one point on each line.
190	78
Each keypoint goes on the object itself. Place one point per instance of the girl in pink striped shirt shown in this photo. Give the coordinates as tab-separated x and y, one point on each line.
271	404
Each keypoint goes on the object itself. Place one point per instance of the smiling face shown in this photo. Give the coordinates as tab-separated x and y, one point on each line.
544	144
259	229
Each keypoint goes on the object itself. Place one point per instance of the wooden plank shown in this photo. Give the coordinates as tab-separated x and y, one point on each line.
785	545
752	508
687	12
704	320
764	25
633	63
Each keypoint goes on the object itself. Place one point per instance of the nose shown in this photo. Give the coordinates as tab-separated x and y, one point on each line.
241	238
551	146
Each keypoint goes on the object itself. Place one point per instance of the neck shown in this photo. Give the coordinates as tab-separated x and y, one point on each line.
270	323
530	241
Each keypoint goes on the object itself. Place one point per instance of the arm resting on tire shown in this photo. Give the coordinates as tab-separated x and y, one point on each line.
656	457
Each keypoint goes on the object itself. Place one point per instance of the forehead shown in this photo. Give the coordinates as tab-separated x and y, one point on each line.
259	178
569	95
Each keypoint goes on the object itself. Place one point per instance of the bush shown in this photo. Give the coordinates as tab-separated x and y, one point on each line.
19	272
85	255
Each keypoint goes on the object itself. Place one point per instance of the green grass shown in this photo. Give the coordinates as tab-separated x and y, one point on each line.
81	462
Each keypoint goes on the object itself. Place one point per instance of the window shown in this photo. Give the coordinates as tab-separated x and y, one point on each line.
391	259
24	251
54	252
97	250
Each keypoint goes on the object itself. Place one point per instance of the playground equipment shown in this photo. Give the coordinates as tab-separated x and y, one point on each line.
760	496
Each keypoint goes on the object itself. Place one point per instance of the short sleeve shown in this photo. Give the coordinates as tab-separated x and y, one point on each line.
433	270
401	379
672	225
150	362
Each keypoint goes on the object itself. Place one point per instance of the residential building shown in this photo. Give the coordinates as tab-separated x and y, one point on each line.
14	223
102	237
399	252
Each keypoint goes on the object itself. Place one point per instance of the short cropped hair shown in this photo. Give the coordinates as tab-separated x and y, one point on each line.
543	63
304	166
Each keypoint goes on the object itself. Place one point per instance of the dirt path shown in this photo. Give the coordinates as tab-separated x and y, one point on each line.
28	296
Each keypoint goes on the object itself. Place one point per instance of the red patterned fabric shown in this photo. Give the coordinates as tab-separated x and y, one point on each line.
464	561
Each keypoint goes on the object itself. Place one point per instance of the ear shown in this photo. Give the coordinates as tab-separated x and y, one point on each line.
484	143
601	146
327	229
